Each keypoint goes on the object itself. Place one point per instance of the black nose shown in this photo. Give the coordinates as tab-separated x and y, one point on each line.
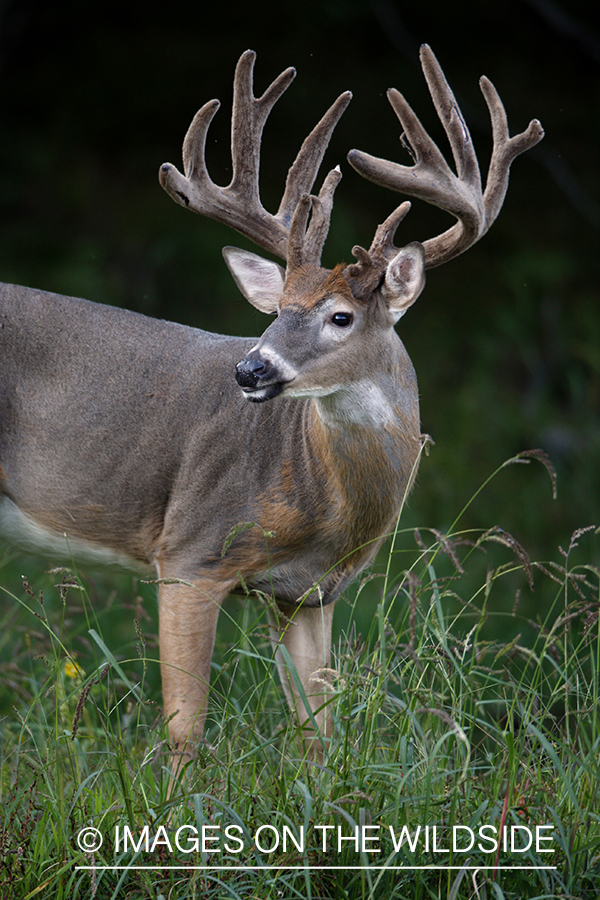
248	372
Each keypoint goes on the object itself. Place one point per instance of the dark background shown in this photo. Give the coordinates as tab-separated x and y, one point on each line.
505	340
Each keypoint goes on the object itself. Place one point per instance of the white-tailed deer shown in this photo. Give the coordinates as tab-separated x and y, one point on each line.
137	437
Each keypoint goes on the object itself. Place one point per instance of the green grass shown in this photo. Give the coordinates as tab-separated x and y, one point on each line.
455	704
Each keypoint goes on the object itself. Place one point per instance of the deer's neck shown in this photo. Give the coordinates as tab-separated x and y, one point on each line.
367	436
361	408
345	466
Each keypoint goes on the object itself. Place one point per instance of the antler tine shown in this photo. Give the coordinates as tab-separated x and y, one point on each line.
432	180
238	205
383	242
303	172
305	245
366	272
248	121
194	143
295	257
505	150
449	114
308	243
320	217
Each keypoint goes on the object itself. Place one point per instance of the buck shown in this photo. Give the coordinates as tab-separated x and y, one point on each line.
152	441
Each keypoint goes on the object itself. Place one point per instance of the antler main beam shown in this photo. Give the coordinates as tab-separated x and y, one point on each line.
431	178
238	205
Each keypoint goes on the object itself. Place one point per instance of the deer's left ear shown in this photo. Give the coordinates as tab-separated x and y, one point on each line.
260	280
404	279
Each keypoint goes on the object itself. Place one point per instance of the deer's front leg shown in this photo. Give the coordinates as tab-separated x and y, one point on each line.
305	632
188	615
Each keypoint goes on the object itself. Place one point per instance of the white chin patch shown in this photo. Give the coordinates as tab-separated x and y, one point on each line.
268	392
255	396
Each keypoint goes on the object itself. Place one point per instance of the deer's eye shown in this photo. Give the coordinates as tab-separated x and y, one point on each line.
342	319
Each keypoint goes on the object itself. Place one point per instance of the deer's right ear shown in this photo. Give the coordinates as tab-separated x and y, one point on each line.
404	279
260	280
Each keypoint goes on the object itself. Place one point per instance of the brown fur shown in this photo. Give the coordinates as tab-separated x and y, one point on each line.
307	286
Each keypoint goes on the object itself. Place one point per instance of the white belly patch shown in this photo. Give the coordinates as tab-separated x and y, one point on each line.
20	529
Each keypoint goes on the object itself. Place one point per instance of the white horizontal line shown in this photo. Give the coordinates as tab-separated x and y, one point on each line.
318	868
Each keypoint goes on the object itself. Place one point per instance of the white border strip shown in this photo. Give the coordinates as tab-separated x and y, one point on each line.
317	868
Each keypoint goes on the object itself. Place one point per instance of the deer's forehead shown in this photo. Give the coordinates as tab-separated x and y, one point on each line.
306	288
